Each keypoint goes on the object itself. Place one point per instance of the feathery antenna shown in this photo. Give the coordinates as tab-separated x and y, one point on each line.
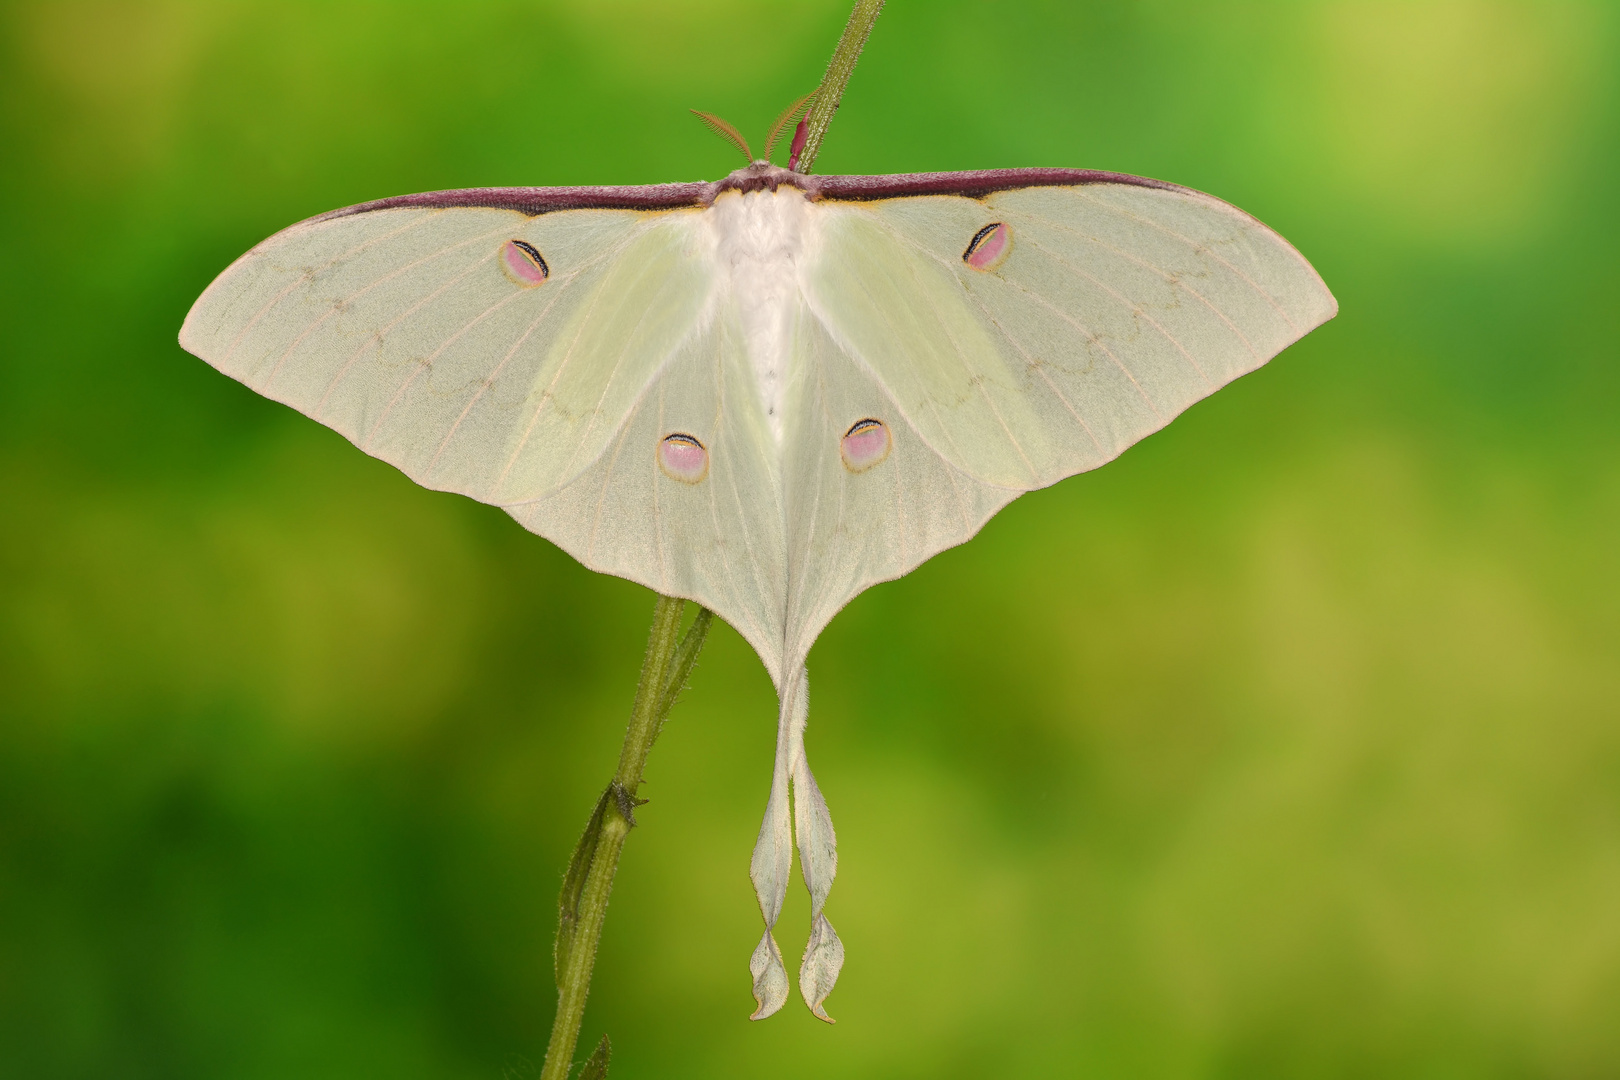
726	131
788	117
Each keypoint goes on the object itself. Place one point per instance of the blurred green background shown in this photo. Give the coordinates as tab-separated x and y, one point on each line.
1286	746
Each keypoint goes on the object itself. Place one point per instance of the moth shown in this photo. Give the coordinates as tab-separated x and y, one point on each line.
764	393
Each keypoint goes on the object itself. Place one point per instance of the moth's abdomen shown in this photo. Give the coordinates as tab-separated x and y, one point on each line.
762	238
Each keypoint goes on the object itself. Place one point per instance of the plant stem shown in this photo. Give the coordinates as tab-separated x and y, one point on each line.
582	907
839	69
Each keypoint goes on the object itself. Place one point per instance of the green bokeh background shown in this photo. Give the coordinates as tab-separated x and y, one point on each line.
1286	746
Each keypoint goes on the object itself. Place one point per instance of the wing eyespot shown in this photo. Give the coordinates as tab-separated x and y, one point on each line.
683	458
989	247
865	444
523	263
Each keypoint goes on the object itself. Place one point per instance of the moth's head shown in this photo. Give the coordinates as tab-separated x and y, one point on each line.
763	176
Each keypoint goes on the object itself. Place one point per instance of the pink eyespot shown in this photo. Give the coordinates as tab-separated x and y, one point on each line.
988	247
866	443
683	458
523	264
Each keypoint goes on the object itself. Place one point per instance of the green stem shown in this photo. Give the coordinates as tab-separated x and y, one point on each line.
839	70
582	907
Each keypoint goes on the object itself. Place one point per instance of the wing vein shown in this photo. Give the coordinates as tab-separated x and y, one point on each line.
547	395
1029	360
872	371
352	297
561	287
427	362
1197	248
1173	279
1135	309
749	550
375	338
309	276
1034	363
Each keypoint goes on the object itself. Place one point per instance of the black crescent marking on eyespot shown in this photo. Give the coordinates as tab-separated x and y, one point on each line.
862	425
682	437
534	253
978	238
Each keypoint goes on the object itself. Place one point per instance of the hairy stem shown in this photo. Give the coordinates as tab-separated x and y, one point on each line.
582	907
839	70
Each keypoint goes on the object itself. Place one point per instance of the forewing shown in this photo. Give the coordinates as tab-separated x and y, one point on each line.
406	330
1114	307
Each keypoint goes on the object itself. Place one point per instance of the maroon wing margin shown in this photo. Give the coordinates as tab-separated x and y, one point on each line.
970	184
534	201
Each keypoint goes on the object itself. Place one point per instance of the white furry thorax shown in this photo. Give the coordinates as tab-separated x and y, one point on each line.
761	238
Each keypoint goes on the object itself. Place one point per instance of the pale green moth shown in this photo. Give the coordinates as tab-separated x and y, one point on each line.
767	393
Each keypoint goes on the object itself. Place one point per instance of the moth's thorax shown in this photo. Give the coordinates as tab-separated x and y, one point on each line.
760	240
